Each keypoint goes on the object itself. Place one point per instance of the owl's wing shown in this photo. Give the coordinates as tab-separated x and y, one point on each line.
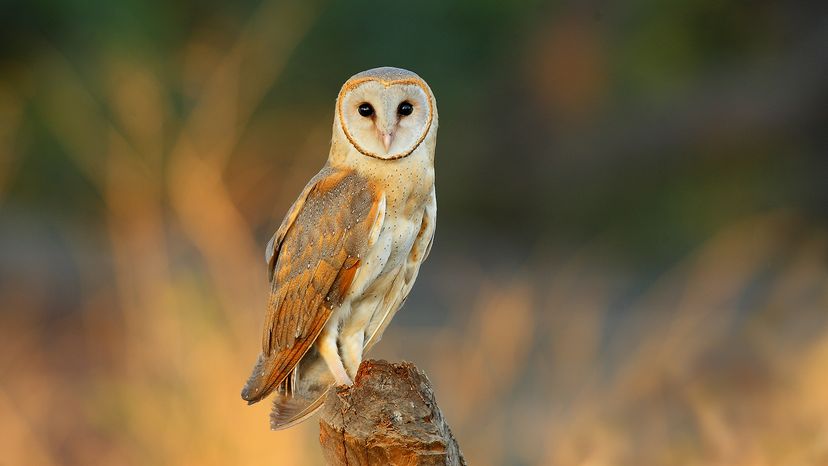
313	259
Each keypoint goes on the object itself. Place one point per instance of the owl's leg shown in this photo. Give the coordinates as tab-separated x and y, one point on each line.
326	344
352	351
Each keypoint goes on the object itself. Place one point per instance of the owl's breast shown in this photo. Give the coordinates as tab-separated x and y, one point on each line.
390	252
408	186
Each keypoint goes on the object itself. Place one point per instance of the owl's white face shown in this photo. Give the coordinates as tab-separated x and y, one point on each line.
386	120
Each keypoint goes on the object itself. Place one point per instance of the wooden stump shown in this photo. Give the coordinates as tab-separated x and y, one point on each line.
388	417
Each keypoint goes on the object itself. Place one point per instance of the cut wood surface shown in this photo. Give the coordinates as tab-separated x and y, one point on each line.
388	417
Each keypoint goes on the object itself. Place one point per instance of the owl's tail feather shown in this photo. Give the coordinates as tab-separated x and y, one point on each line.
289	411
296	398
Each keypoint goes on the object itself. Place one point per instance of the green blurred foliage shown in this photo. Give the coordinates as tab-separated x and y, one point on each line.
515	158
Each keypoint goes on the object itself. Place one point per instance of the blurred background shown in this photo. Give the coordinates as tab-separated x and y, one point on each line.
631	261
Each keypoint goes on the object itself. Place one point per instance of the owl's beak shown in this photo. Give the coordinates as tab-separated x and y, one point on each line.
387	139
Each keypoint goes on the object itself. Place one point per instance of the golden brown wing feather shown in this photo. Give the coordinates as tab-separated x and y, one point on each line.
314	257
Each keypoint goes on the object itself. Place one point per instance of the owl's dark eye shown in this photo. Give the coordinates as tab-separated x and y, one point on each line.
405	109
366	109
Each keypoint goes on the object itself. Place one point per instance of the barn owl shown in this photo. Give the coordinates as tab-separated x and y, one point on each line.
348	252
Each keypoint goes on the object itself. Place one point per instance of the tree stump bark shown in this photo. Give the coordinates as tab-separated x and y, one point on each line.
388	417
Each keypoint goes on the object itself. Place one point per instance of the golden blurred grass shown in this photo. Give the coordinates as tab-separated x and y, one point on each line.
535	370
721	360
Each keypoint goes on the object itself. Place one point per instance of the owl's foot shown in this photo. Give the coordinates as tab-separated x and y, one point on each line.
351	347
326	344
339	373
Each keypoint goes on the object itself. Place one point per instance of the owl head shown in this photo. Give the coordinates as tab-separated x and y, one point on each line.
385	113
